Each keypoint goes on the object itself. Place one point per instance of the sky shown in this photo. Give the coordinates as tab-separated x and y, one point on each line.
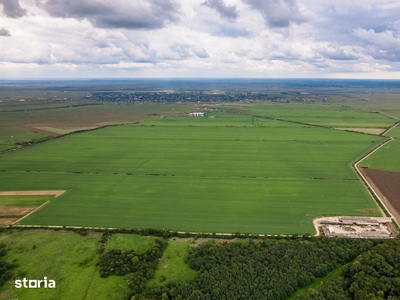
200	39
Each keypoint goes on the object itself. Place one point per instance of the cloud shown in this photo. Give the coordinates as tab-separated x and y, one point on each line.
380	45
4	32
12	8
225	11
185	51
279	13
149	14
337	54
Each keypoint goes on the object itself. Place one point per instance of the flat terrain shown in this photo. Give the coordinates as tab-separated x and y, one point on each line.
210	174
394	132
386	158
66	257
329	115
13	206
36	121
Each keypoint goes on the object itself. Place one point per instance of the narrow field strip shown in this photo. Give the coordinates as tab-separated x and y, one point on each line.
32	193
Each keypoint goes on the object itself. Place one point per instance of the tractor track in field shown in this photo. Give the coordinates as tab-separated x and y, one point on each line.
14	215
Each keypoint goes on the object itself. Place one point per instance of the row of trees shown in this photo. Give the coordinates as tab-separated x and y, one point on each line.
164	233
375	275
269	269
5	267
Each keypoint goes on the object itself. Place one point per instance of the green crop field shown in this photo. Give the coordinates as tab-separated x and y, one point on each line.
329	115
19	125
394	132
385	158
221	173
11	135
24	201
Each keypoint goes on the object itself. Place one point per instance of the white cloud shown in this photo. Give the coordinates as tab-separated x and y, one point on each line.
272	38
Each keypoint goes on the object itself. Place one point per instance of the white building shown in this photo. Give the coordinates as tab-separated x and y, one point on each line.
197	114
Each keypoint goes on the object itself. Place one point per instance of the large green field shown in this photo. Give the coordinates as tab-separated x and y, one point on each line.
224	173
394	132
329	115
23	122
385	158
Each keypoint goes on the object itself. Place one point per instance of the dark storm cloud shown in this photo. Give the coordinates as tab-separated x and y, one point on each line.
225	11
12	9
151	14
4	32
278	13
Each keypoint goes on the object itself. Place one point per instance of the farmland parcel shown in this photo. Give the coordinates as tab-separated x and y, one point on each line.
224	174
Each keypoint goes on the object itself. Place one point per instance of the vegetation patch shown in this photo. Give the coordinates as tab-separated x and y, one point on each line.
376	131
373	275
64	256
130	242
272	270
173	265
59	130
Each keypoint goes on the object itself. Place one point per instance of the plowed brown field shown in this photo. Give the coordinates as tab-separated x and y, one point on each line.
387	185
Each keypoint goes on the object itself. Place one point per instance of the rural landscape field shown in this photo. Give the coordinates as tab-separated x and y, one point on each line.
280	165
199	150
103	165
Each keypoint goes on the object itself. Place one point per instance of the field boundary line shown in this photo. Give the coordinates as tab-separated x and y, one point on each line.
292	121
56	193
390	128
139	231
387	115
35	210
370	189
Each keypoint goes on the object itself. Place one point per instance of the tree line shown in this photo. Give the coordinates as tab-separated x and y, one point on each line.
269	269
374	275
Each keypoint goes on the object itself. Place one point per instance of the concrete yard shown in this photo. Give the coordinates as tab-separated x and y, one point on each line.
356	227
